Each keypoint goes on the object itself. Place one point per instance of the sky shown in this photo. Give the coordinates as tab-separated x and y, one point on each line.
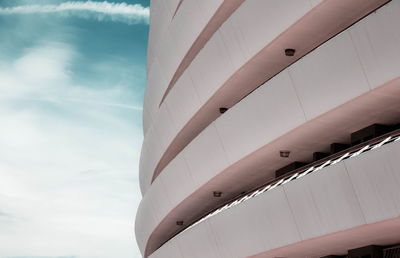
72	80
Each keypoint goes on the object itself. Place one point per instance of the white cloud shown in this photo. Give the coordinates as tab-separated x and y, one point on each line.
40	70
68	181
44	63
42	74
138	108
68	187
121	12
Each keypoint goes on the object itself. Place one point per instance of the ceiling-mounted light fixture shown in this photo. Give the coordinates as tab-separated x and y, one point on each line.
284	153
290	52
217	194
223	110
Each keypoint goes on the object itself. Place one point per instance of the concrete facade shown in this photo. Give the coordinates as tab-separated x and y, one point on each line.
344	76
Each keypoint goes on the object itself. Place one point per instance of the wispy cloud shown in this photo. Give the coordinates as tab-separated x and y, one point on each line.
84	101
3	214
38	257
45	146
119	12
42	74
138	108
69	137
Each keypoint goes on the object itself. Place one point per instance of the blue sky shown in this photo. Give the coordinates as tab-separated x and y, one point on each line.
72	79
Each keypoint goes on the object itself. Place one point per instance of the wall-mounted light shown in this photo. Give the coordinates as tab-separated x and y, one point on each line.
284	153
223	110
217	194
290	52
179	222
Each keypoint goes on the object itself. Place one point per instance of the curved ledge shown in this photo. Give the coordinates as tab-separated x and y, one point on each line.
366	193
386	232
313	167
252	169
339	79
177	8
175	41
223	12
313	29
248	166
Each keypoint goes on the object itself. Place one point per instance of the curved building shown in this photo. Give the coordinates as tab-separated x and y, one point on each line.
271	129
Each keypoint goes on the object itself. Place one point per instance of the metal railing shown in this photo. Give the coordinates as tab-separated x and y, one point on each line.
348	153
300	172
392	252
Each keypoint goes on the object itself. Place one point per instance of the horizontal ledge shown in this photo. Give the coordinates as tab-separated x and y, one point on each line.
380	99
220	16
270	61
